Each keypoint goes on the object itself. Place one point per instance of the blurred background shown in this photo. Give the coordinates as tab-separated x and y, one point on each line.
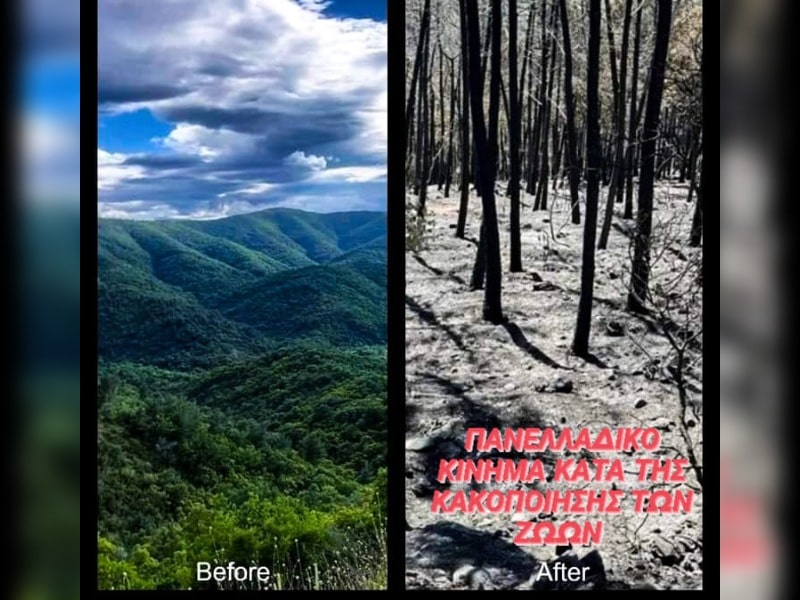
752	294
46	247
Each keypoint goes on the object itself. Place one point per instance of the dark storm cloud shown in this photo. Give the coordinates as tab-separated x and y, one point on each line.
278	133
112	92
161	161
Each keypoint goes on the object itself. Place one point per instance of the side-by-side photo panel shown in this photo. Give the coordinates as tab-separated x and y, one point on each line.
242	329
554	294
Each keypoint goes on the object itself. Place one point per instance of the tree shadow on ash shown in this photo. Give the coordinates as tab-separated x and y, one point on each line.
518	337
595	360
449	546
491	562
609	302
437	271
473	413
429	317
521	341
449	446
468	413
411	416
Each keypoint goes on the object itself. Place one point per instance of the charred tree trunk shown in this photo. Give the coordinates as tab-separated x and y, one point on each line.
540	111
580	344
486	148
569	102
465	142
692	169
530	153
440	157
623	79
544	174
582	150
514	131
451	128
632	145
430	117
525	94
424	137
697	219
479	268
556	135
483	68
615	189
423	32
640	271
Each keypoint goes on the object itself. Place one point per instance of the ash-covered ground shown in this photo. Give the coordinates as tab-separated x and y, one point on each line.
463	372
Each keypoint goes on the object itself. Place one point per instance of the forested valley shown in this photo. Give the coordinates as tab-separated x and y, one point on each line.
242	400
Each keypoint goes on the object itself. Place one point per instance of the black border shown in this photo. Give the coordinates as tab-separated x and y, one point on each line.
396	339
711	397
89	276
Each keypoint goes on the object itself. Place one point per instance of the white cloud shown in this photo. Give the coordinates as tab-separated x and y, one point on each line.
373	137
111	170
146	210
325	204
351	174
206	143
251	190
298	158
136	209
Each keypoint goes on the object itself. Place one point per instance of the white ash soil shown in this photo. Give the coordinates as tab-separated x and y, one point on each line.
462	371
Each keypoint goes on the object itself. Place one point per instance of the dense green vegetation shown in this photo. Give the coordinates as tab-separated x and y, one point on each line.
189	294
242	399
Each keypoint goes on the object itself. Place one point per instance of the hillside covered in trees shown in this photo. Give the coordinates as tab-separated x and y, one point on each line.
554	255
242	399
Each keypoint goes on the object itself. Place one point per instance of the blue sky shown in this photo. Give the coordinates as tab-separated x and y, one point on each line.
208	108
49	100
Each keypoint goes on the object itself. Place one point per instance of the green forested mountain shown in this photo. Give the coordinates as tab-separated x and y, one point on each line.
184	294
242	396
